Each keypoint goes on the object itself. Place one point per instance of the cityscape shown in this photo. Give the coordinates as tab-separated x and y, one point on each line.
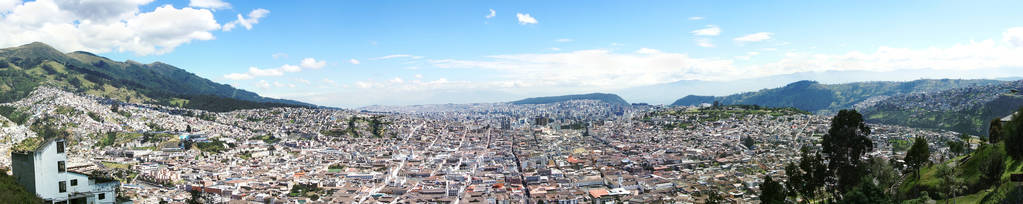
586	121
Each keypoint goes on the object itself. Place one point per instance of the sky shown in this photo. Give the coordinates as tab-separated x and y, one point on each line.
359	53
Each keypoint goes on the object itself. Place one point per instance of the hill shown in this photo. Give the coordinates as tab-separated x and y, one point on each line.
966	110
827	98
31	65
604	97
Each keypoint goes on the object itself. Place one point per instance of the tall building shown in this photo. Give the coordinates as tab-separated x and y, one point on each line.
43	170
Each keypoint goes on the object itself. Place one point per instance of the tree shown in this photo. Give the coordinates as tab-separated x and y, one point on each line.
950	183
748	142
1014	136
771	191
994	131
808	176
956	147
884	174
866	193
196	197
715	198
846	142
918	155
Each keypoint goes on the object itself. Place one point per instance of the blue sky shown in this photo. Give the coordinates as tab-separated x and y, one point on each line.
419	52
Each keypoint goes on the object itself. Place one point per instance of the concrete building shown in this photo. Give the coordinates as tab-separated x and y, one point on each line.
43	171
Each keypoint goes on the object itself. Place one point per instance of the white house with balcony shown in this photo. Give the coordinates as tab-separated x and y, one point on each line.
42	170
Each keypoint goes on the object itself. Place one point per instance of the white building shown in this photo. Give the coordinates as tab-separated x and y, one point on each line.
43	172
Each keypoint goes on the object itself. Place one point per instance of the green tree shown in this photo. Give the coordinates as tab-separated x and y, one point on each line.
771	192
950	181
715	198
994	131
846	142
884	175
956	147
748	142
866	193
1014	137
918	155
807	177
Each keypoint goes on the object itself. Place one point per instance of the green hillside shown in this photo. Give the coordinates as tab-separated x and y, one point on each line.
966	110
607	98
828	98
25	67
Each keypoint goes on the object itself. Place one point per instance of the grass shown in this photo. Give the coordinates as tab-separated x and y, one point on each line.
116	165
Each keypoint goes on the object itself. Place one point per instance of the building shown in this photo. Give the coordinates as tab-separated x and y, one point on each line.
43	170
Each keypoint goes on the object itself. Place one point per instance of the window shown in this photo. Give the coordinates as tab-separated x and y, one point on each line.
62	186
60	147
102	196
60	167
74	182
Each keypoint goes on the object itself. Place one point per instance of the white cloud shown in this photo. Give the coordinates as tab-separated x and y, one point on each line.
353	61
755	37
695	18
253	19
555	49
279	55
395	56
254	71
711	30
313	63
263	84
300	80
290	68
525	19
419	76
103	26
238	76
8	5
1014	36
704	42
397	80
213	4
600	69
647	51
563	40
492	13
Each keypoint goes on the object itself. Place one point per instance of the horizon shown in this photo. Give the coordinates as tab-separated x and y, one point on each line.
362	54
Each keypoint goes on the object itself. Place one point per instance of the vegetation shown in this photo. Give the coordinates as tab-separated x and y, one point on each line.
918	155
26	67
269	139
12	113
829	98
846	142
12	192
603	97
214	145
771	192
308	191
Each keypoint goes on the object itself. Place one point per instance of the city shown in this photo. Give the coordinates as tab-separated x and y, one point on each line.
494	102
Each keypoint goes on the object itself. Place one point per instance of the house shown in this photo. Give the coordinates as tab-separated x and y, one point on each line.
41	169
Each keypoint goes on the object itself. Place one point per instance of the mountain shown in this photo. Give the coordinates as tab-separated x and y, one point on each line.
35	64
967	110
604	97
826	98
665	93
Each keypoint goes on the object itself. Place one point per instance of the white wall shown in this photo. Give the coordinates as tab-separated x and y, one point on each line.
46	173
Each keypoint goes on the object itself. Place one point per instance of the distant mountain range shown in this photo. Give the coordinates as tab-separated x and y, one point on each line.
25	67
666	93
604	97
826	98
